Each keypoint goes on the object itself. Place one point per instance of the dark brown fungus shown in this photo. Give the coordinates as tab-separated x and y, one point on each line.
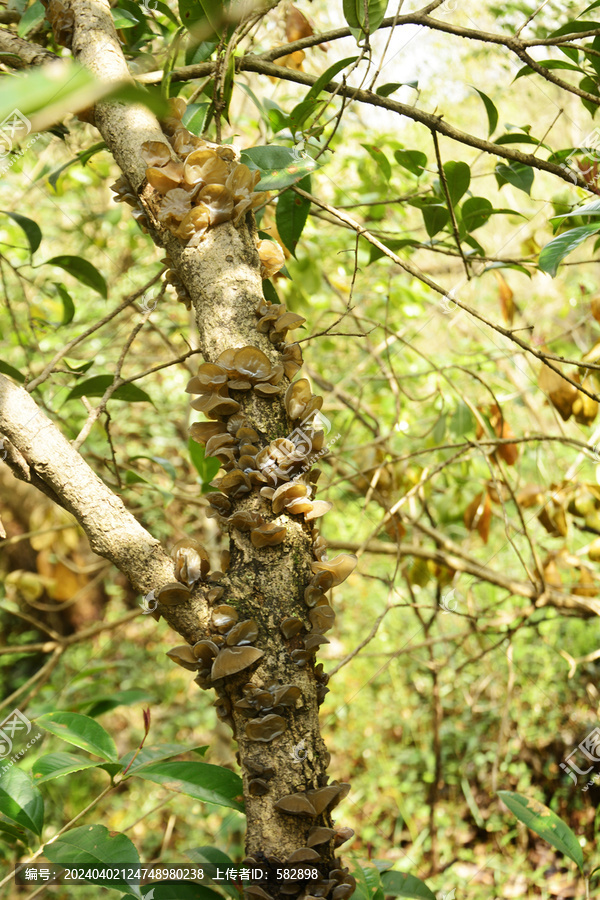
301	505
313	641
296	805
292	360
205	651
342	892
318	834
340	567
322	580
234	659
215	594
300	657
290	626
312	595
322	692
234	483
245	520
268	535
259	770
267	390
341	835
202	431
215	405
173	594
254	889
224	617
322	618
258	787
304	854
286	695
183	656
243	633
265	729
322	797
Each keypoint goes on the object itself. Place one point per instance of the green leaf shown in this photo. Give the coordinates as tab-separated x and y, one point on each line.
308	104
519	137
380	158
204	19
589	209
93	846
458	178
67	302
574	28
206	466
81	731
401	884
517	174
492	112
413	160
31	18
435	217
291	214
553	253
368	882
82	270
462	421
545	823
96	386
118	698
9	370
194	117
20	800
547	64
385	90
279	166
475	212
211	856
31	228
13	833
213	784
53	765
363	15
591	86
82	158
124	19
152	754
394	245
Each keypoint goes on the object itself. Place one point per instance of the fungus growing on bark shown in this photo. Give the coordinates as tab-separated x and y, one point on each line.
290	626
167	178
183	656
258	787
265	729
296	805
155	153
268	535
303	854
318	834
191	561
319	508
173	594
271	258
340	567
313	641
224	617
234	659
243	633
322	618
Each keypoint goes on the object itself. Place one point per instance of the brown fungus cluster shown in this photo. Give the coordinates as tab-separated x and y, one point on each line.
201	185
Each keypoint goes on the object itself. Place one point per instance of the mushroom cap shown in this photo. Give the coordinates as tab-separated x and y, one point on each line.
314	640
268	535
245	520
210	376
243	633
304	854
215	405
286	695
342	834
235	483
219	202
300	657
173	594
219	501
183	656
265	729
291	359
202	431
297	397
234	659
296	805
162	179
342	892
258	787
312	595
267	390
291	626
252	363
191	561
271	257
205	651
301	505
318	834
340	567
319	508
196	221
155	153
224	617
322	618
322	580
285	493
218	442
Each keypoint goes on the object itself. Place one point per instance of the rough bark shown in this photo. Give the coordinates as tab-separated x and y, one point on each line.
222	277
